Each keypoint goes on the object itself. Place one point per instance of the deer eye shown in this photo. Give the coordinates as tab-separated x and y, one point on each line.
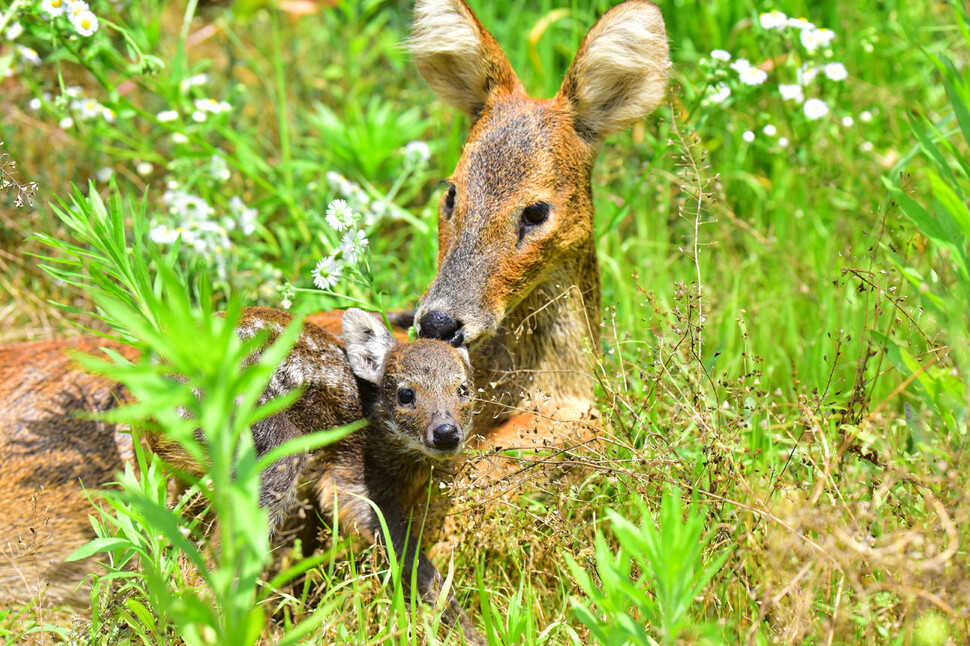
405	396
535	214
448	206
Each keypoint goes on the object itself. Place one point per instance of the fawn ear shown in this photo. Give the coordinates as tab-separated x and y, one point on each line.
463	351
620	71
456	56
368	342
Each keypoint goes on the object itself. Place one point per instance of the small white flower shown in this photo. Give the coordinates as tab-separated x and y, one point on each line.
836	72
198	79
847	121
179	138
753	76
89	108
770	130
28	55
773	20
866	146
721	93
806	74
721	55
74	91
353	245
167	115
14	31
286	303
246	217
104	174
783	142
218	168
198	116
791	92
34	104
211	105
339	216
865	116
85	22
161	234
327	272
417	152
815	109
65	123
54	8
810	39
144	168
6	70
740	65
800	23
75	7
108	114
823	36
748	136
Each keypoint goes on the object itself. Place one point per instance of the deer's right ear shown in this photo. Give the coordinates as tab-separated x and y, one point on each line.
456	56
368	342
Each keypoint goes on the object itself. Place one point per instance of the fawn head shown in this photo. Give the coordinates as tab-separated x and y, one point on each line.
518	209
424	388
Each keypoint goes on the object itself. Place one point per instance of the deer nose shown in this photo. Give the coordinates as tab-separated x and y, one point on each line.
438	325
446	437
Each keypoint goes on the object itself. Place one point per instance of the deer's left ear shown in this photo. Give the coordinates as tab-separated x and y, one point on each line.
368	342
463	351
620	71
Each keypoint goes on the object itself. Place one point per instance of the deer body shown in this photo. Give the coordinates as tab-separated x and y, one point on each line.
518	280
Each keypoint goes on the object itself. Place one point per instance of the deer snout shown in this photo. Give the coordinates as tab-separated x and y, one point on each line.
446	437
440	325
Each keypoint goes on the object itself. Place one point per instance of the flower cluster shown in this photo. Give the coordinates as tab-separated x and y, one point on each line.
81	17
349	254
802	75
356	199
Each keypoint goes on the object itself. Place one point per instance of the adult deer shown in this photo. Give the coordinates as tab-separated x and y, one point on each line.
518	280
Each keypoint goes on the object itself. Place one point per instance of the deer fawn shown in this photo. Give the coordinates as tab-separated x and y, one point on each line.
518	281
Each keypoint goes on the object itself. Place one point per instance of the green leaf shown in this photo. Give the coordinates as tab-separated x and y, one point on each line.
97	546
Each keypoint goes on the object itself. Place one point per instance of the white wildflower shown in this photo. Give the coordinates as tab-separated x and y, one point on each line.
753	76
417	152
740	65
104	174
791	92
770	130
815	109
748	136
198	116
85	23
218	168
167	115
108	114
6	70
847	121
245	216
89	108
54	8
14	31
34	104
865	116
823	37
835	72
74	91
812	39
144	168
800	23
783	142
211	105
179	138
340	216
806	74
192	81
28	55
161	234
773	20
327	272
721	55
65	123
721	93
866	146
353	245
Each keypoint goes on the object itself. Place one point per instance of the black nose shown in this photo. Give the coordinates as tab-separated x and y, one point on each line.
446	437
438	325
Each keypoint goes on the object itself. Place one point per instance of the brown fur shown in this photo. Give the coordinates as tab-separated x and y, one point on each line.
527	298
49	451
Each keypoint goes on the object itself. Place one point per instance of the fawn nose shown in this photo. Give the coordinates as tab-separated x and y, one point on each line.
438	325
446	437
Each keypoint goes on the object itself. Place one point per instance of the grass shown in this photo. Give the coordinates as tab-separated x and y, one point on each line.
802	401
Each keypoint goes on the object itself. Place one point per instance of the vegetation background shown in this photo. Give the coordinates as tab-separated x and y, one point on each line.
785	294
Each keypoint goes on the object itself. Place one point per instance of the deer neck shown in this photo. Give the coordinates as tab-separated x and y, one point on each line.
541	358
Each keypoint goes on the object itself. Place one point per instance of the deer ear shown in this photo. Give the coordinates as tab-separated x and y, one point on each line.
456	56
463	351
368	342
620	71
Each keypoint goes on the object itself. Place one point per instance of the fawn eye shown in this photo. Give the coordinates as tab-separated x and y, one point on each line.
535	214
405	396
449	204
